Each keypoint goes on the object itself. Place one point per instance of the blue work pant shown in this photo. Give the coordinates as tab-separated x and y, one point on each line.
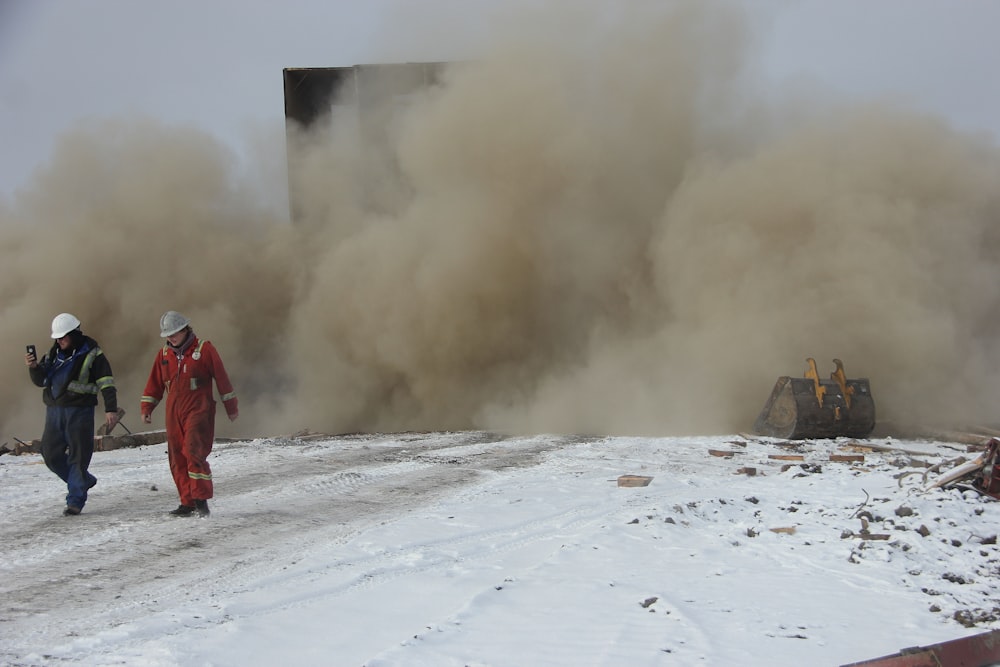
68	446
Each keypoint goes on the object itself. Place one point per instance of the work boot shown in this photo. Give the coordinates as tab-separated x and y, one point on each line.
182	510
91	481
202	507
71	510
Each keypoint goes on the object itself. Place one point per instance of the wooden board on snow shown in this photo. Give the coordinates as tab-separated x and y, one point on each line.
634	480
958	472
106	443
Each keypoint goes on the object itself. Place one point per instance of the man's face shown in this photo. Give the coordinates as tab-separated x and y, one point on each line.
177	338
63	342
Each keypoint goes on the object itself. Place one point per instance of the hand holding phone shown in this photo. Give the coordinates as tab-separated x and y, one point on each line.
31	352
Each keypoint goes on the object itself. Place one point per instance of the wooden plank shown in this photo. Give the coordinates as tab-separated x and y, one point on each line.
787	457
848	458
723	453
865	535
960	471
106	443
634	480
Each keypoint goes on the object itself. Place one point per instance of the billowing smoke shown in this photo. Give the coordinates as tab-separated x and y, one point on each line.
594	224
130	219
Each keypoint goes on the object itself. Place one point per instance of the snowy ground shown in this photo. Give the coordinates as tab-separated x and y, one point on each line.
451	549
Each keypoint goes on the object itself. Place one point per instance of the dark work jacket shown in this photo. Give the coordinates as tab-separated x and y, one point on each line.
90	373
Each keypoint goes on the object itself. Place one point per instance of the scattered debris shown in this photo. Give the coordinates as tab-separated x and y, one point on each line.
989	483
867	498
983	472
962	468
102	443
970	618
22	447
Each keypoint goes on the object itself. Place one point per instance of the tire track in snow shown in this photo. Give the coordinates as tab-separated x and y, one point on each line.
124	557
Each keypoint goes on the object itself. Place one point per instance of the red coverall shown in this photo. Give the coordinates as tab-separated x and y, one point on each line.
187	380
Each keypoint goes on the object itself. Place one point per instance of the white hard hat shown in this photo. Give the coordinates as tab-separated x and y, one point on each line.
171	323
63	323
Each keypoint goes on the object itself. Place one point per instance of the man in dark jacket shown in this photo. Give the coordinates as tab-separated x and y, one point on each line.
72	373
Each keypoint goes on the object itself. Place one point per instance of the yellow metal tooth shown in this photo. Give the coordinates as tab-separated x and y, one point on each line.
840	378
814	376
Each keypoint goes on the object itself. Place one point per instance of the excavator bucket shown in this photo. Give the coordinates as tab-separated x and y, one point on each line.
811	407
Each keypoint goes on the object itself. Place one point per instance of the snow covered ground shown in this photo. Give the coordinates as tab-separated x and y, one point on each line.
471	548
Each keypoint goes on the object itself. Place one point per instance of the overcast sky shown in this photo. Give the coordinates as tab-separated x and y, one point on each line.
218	65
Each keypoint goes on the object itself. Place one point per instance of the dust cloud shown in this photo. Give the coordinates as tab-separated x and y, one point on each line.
596	224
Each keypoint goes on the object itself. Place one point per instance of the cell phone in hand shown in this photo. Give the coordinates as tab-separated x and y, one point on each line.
31	351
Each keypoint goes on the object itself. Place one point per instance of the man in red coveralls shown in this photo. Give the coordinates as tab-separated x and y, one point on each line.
184	369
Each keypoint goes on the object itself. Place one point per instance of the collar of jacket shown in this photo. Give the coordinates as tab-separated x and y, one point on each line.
183	347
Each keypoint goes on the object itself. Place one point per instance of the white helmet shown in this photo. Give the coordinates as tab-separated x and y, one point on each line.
63	323
171	323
